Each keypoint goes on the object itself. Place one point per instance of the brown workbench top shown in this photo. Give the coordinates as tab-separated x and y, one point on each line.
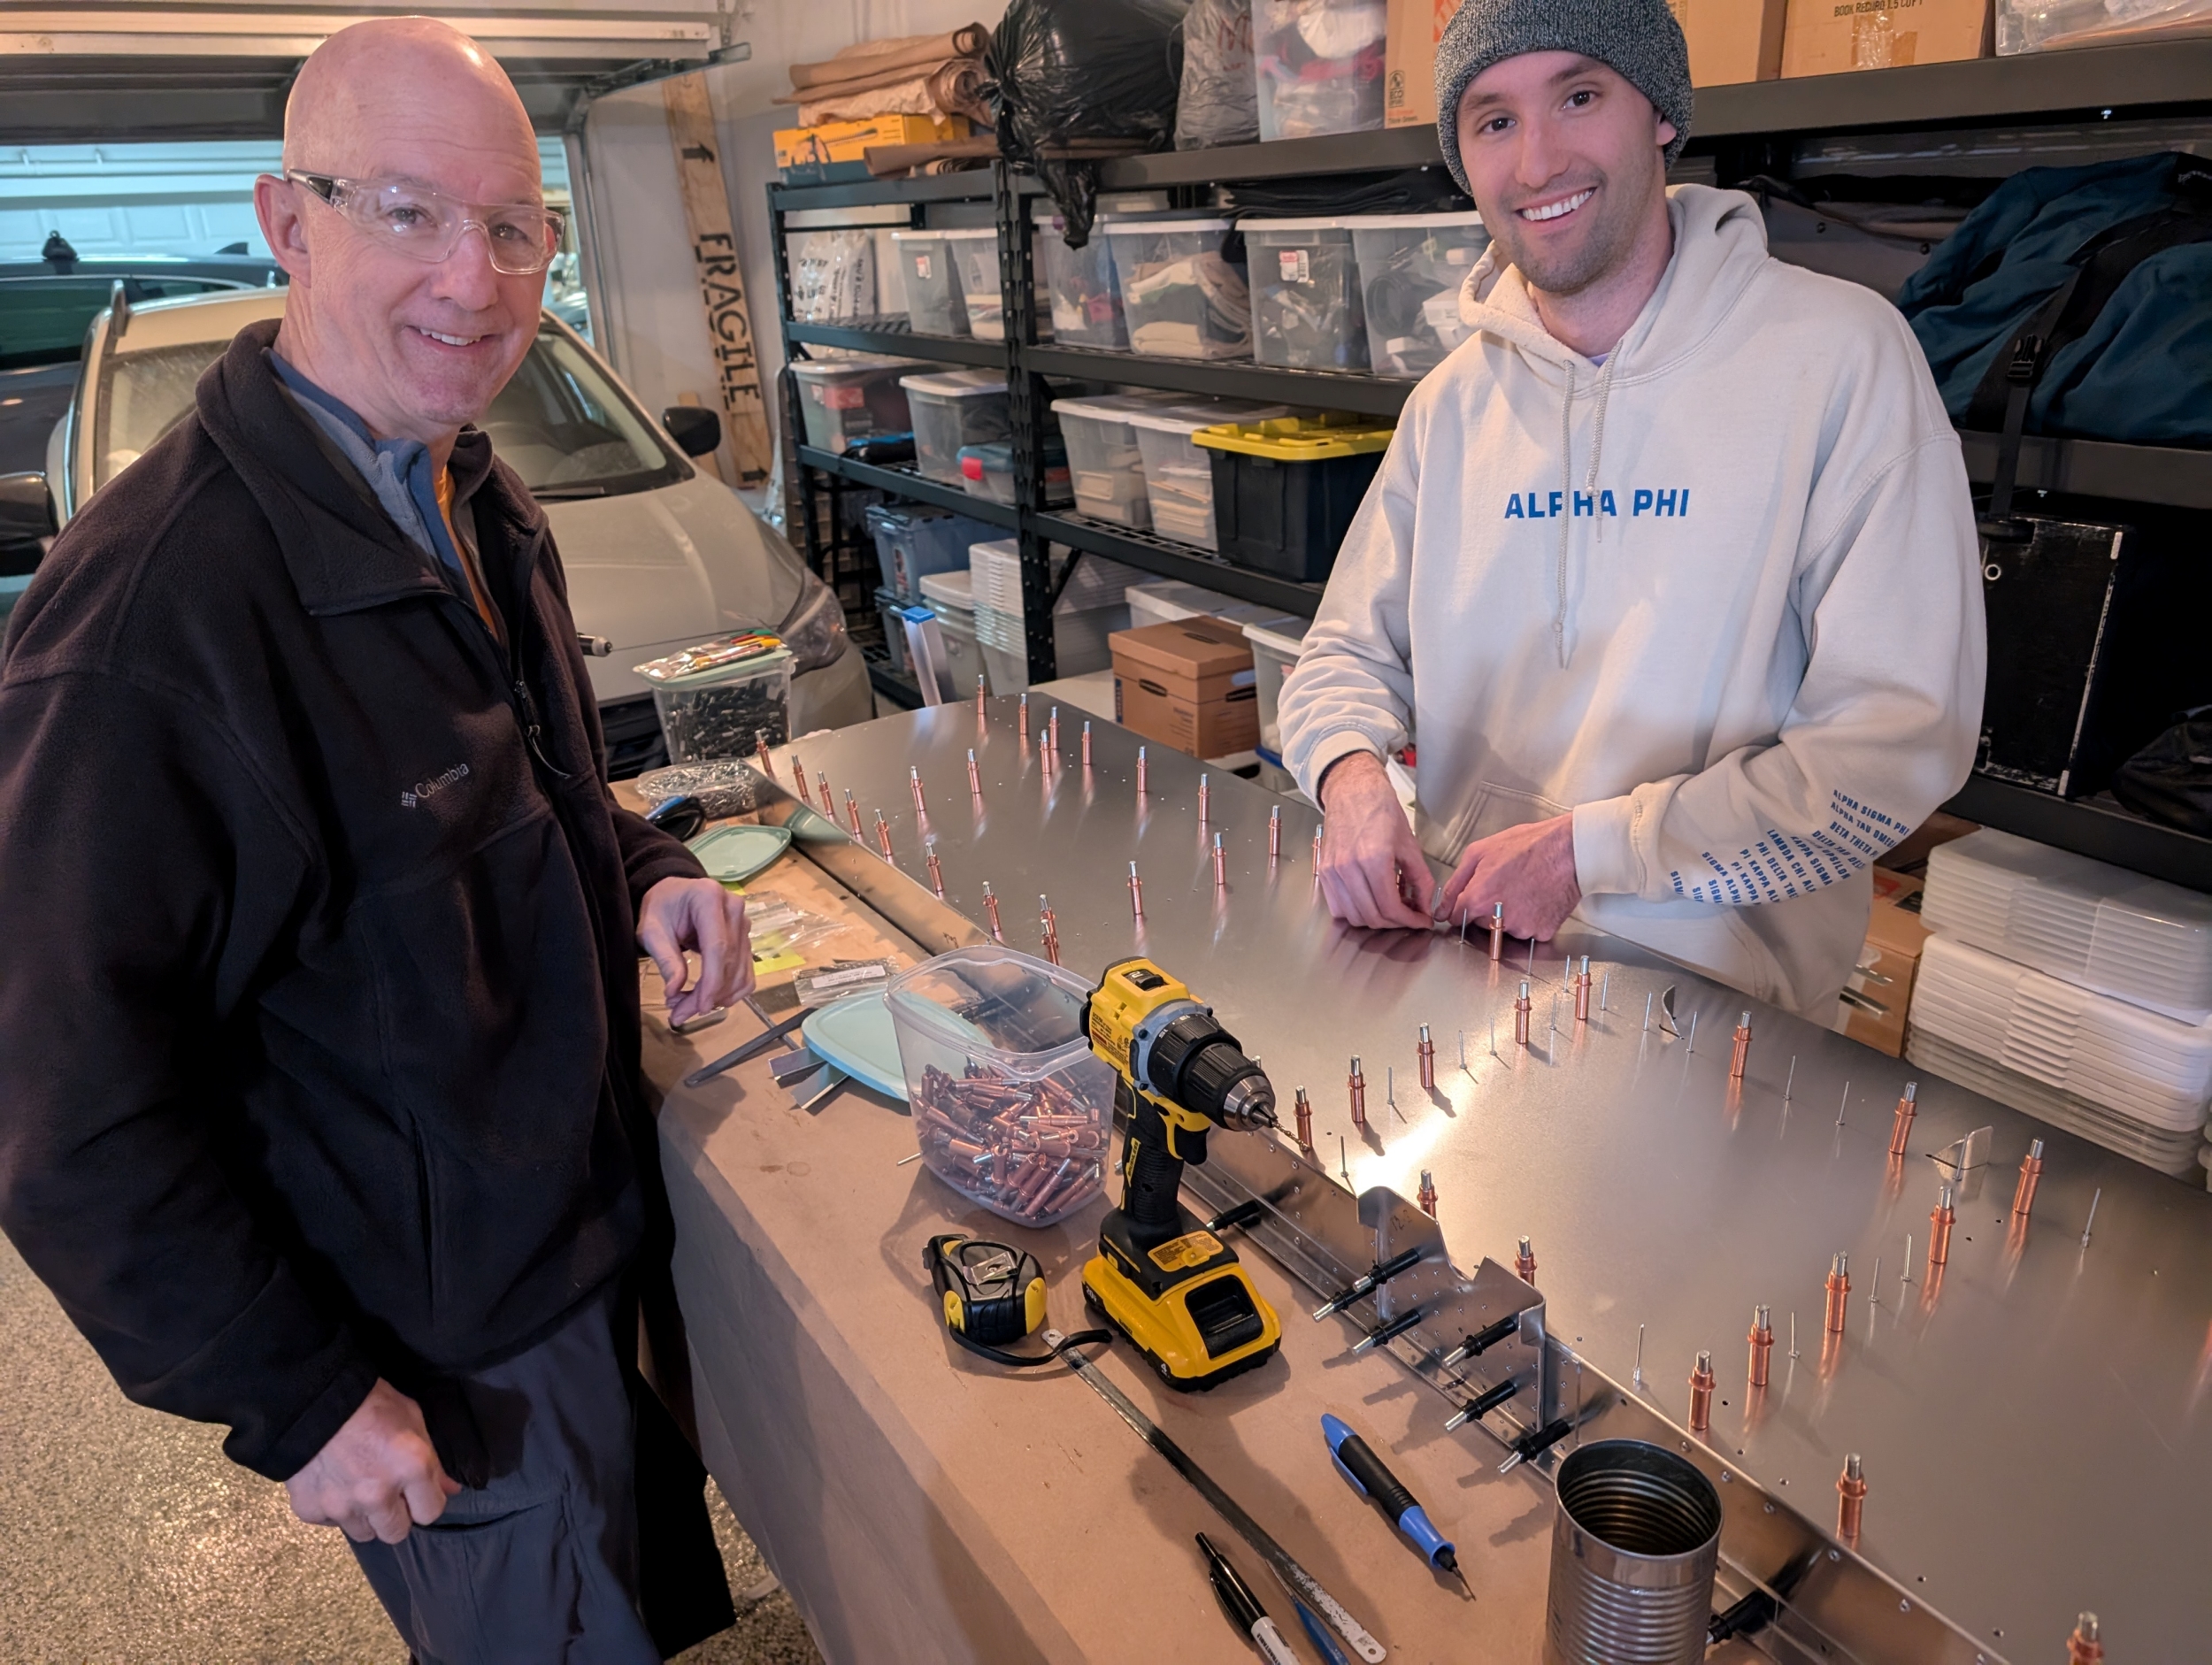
924	1505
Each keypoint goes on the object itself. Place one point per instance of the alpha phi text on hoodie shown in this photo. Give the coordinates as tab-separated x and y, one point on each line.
1719	597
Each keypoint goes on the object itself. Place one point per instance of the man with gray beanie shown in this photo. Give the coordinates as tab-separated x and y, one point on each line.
1671	568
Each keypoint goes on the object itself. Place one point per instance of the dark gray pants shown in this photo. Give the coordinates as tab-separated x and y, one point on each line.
539	1563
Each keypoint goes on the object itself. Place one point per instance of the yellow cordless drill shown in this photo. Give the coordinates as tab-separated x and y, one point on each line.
1162	1280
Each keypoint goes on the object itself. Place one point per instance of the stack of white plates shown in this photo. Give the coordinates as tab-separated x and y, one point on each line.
2133	1080
2147	942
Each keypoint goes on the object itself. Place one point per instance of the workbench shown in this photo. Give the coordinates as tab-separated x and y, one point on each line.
922	1505
2031	1415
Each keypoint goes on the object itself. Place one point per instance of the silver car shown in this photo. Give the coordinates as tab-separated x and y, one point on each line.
658	555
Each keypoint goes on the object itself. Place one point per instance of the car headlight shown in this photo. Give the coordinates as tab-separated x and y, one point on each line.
815	631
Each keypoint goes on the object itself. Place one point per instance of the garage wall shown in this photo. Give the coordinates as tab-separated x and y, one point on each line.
644	299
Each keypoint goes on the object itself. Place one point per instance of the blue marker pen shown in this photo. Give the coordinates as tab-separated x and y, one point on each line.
1365	1469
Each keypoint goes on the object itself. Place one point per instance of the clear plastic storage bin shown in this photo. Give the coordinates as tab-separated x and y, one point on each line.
1011	1106
1319	66
1178	479
845	401
934	302
1090	609
2104	928
1307	311
1182	297
956	408
1411	269
952	598
2042	26
1106	469
987	471
912	542
1275	649
1086	296
1162	600
722	712
975	262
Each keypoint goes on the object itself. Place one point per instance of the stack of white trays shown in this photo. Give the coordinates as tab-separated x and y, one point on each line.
2077	992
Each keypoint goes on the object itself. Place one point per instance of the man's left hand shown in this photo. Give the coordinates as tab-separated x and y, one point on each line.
1530	869
700	914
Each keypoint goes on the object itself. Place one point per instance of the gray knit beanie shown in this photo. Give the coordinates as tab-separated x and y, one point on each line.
1639	39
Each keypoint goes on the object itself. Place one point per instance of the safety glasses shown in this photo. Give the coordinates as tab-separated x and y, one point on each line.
426	225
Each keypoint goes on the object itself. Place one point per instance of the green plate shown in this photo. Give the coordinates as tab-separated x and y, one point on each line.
856	1036
735	854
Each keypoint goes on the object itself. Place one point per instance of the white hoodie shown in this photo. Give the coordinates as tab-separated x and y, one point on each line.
1720	598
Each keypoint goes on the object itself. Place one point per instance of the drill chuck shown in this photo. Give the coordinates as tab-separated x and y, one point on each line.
1182	1053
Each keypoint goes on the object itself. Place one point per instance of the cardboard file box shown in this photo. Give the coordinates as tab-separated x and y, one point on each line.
1189	685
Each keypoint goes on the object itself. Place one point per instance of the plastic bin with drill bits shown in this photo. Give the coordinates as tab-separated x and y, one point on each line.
1011	1106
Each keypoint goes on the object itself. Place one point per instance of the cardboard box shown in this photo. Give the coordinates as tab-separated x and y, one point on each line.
1825	37
1879	998
848	141
1411	30
1733	41
1188	684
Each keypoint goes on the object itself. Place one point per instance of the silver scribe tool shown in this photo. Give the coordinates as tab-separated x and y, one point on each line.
1295	1578
752	1049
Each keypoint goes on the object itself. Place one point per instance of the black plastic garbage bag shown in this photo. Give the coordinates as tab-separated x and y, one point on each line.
2171	779
1065	70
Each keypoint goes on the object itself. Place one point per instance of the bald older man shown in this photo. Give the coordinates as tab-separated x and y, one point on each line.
320	1108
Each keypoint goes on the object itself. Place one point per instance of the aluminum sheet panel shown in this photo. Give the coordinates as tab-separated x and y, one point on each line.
2033	1419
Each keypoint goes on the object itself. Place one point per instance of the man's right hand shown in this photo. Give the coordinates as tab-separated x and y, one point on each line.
377	1476
1372	871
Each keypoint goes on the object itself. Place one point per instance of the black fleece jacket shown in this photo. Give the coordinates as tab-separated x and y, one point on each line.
318	1003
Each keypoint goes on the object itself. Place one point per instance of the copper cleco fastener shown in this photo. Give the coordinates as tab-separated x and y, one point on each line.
760	750
1497	932
2084	1647
1761	1345
1906	1108
1024	713
1358	1087
852	813
1850	1500
1136	894
1141	771
1275	834
990	909
1221	877
1939	1219
1582	992
1303	1108
2023	1194
1702	1394
981	692
1839	1293
1051	928
883	835
936	873
798	770
1052	731
1087	745
1427	1197
1428	1061
914	783
1524	1263
975	780
829	804
1204	791
1520	1017
1742	1051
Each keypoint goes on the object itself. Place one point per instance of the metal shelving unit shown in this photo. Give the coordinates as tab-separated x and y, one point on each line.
1745	128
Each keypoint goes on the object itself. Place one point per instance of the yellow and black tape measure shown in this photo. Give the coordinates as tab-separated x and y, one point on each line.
991	1294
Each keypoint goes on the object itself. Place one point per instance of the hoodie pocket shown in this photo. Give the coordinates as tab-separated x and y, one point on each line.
1489	809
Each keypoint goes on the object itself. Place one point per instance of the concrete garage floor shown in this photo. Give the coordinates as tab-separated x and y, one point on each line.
126	1538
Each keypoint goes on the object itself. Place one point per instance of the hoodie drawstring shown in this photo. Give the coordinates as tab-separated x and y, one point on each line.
1566	482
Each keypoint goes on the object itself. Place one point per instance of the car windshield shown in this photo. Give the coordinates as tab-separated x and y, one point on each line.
559	422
